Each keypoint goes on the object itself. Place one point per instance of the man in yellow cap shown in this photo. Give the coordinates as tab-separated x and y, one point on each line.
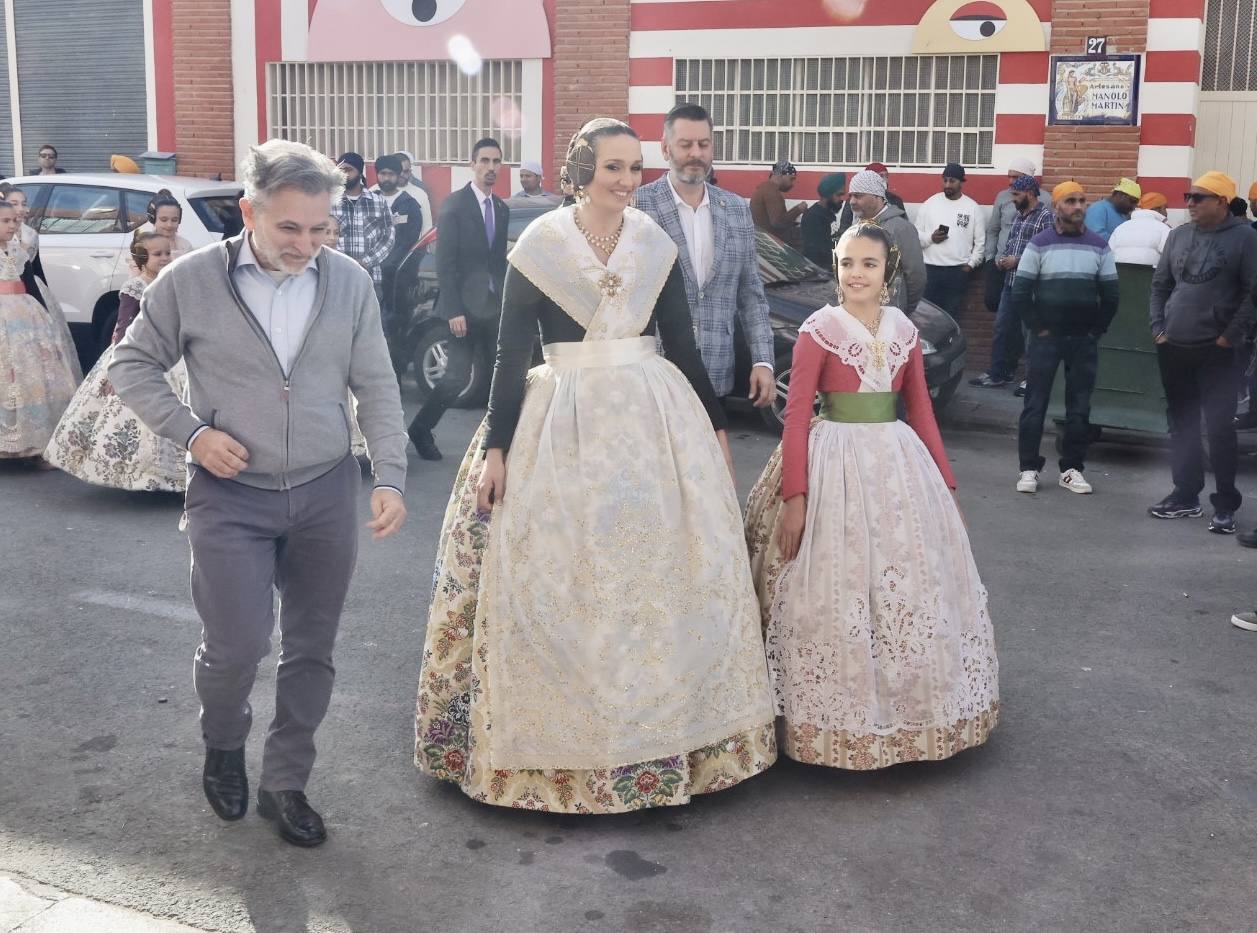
1103	217
1140	240
1200	312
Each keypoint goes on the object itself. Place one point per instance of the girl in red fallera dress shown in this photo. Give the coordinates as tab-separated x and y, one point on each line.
879	644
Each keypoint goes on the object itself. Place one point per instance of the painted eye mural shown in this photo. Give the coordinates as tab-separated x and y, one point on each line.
422	12
978	21
979	26
418	30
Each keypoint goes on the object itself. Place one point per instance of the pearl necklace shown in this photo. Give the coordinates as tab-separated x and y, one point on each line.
605	242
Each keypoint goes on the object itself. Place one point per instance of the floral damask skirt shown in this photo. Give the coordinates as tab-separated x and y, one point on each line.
38	375
452	718
101	441
879	644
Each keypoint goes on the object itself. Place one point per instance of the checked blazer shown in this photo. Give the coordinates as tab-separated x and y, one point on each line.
734	289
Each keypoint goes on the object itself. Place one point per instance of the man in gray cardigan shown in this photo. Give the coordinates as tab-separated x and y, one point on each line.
275	333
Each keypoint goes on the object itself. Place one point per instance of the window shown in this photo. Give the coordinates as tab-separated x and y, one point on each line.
137	208
431	109
220	213
901	110
1230	54
80	209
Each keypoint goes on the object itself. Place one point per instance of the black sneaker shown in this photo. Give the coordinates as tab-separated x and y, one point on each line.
1248	538
1222	523
1170	507
1020	391
987	381
1246	421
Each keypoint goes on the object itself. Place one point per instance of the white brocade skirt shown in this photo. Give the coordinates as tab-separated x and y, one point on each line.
37	375
879	644
101	441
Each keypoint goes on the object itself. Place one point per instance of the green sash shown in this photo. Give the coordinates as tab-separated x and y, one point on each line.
859	407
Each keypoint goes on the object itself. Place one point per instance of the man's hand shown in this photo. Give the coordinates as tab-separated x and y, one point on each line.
458	326
388	513
966	268
938	236
763	386
1161	338
1044	333
1224	343
220	453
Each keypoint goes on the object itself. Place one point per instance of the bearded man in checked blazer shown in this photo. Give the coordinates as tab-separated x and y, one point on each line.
715	235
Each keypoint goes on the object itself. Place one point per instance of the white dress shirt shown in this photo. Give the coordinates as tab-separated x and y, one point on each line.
283	304
700	233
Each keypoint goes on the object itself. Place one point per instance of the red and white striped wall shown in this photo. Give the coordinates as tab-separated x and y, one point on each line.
667	29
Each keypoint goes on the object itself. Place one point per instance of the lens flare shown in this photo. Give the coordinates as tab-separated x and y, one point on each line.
464	55
845	11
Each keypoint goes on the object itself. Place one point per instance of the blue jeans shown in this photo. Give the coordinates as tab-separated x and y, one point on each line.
1007	342
945	286
1080	354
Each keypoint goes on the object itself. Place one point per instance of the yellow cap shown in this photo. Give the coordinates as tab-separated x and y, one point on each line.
1217	183
1129	186
1065	189
1152	200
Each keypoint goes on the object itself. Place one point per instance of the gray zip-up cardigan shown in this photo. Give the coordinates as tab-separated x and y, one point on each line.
295	427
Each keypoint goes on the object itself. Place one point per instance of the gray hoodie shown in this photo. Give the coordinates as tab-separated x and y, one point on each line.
295	427
908	286
1203	287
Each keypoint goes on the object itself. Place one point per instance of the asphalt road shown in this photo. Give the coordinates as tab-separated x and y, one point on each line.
1119	793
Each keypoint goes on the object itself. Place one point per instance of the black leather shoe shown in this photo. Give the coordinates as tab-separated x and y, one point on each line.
424	444
226	785
293	816
1248	538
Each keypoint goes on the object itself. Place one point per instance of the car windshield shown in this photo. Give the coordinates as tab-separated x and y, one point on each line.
220	213
781	265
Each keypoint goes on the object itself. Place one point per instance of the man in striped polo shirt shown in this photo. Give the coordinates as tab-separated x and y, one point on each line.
1065	292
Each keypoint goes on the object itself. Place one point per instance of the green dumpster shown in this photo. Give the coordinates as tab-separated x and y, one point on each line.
1128	393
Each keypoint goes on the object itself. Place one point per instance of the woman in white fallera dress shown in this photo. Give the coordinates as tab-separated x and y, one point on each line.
30	242
879	643
37	377
101	441
593	641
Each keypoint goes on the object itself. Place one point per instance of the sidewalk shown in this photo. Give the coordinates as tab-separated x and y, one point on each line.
29	907
990	410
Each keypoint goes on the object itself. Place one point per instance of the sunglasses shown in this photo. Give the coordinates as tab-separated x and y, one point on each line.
1191	197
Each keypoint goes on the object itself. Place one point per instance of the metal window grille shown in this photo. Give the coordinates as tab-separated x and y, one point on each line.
431	109
901	110
1230	54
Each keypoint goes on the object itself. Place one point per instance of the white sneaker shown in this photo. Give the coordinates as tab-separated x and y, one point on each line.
1074	481
1245	620
1028	481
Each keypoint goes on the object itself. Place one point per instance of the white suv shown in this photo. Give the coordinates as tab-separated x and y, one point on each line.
85	223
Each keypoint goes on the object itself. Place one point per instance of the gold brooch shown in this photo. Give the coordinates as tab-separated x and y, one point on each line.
610	284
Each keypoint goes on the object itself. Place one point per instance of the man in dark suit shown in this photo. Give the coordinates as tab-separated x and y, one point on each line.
407	224
470	268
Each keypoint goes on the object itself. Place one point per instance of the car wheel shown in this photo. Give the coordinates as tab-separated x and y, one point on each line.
104	336
946	392
431	355
774	415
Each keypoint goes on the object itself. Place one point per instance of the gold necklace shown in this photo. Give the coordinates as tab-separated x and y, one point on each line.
877	348
605	242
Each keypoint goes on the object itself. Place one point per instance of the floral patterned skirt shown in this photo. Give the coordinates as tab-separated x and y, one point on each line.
452	718
37	375
879	644
101	441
